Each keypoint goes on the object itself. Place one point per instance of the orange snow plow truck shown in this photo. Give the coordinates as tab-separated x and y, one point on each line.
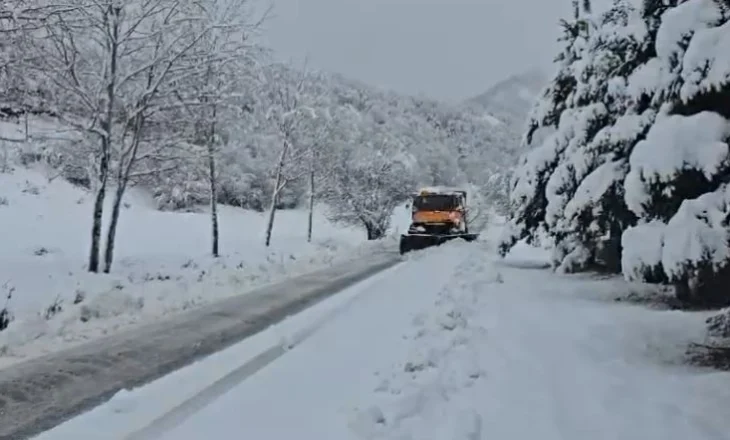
437	215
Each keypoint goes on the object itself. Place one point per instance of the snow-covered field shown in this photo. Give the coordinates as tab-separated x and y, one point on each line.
452	344
162	263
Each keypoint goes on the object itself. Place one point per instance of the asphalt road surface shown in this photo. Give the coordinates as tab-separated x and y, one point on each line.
39	394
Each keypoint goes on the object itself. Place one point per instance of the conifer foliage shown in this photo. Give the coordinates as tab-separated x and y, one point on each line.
678	179
567	185
628	164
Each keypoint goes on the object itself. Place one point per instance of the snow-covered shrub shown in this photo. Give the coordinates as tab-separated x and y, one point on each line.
6	316
718	326
110	304
641	260
53	309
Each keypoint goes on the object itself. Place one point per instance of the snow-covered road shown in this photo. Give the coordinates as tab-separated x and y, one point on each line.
40	393
453	344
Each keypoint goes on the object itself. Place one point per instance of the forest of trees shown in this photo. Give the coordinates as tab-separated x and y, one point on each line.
629	164
181	99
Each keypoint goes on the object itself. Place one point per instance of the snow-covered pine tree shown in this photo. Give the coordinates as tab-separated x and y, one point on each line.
573	178
527	196
678	179
586	214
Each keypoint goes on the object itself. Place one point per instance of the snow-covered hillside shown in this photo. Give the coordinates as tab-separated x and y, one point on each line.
163	262
511	99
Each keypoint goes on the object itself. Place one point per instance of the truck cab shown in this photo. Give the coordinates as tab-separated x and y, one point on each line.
438	211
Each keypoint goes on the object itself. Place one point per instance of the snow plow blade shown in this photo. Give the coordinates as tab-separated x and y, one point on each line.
414	242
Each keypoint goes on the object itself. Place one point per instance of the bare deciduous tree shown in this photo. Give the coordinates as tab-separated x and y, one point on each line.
114	63
367	181
287	115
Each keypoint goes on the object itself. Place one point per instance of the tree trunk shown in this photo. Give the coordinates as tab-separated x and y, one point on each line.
96	229
111	233
98	212
270	222
213	194
374	231
310	220
587	7
275	196
106	141
123	173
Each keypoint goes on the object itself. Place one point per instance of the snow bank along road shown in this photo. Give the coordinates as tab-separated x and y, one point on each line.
452	344
39	394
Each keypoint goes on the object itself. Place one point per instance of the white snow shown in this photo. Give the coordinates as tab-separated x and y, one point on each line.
592	188
162	263
706	63
533	164
596	177
695	238
698	233
441	189
626	128
456	344
675	143
692	32
647	79
574	126
680	22
642	249
133	410
491	119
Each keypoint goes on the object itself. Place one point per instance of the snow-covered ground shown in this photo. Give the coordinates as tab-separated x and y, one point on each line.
452	344
162	263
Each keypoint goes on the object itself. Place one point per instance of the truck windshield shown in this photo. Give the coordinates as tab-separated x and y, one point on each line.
435	202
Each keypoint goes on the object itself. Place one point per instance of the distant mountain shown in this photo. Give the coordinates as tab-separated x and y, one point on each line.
511	99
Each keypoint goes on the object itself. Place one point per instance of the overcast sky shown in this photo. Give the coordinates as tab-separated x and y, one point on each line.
446	49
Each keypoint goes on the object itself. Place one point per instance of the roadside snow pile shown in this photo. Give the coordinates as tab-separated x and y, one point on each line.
511	353
444	362
162	266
